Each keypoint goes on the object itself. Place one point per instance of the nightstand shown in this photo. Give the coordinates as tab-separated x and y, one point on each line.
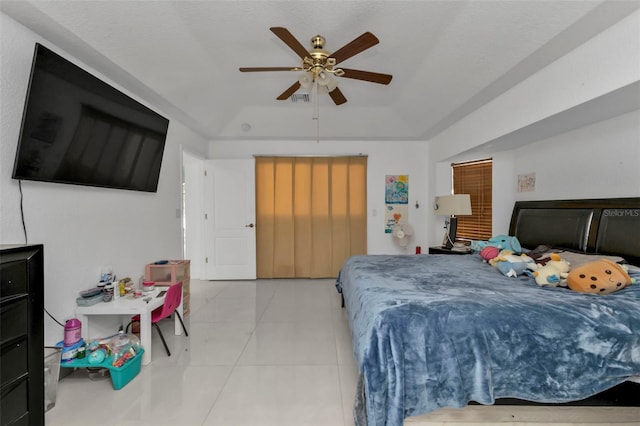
444	250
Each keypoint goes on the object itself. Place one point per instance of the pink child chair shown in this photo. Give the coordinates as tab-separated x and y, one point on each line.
171	302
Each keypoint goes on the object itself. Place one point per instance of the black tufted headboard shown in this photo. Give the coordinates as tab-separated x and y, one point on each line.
604	226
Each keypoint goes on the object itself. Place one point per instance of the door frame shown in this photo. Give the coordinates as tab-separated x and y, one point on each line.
233	227
192	211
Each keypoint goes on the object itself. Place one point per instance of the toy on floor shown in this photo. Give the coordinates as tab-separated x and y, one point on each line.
602	276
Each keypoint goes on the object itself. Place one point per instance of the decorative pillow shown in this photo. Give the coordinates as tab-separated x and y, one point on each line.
599	277
578	259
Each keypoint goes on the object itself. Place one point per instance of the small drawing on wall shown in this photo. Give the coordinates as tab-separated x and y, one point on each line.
396	197
395	214
527	183
396	189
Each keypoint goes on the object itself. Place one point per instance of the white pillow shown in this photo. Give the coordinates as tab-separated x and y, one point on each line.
577	259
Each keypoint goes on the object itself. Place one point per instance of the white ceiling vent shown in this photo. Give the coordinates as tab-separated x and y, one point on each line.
300	97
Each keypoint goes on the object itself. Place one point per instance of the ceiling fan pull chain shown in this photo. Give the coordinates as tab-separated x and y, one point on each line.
317	117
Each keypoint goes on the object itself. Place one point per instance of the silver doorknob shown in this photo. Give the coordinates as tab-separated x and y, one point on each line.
249	225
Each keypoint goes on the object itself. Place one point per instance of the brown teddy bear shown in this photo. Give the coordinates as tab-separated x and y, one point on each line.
600	277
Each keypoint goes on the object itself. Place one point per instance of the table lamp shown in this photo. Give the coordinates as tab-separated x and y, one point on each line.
452	206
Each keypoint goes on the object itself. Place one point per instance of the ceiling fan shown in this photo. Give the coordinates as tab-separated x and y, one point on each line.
319	66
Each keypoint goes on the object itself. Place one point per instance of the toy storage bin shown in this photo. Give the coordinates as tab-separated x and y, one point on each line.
120	376
166	274
169	273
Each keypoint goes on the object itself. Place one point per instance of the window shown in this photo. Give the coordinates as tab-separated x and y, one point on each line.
474	178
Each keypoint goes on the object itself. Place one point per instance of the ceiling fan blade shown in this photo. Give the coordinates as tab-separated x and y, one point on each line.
354	47
373	77
290	91
337	96
254	69
288	38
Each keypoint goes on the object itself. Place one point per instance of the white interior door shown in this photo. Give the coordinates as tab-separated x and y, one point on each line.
230	219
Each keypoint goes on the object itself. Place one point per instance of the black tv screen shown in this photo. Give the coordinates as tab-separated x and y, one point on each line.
77	129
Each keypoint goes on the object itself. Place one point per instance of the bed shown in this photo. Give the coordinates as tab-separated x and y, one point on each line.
435	331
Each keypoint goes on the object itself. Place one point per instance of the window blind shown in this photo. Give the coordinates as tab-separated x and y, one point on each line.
474	178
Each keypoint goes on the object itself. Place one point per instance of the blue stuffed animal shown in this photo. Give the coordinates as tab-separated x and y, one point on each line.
503	242
512	265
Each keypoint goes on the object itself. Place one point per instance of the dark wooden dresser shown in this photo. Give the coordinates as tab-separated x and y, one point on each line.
21	335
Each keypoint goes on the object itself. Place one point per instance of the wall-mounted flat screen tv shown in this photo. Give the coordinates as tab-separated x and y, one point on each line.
77	129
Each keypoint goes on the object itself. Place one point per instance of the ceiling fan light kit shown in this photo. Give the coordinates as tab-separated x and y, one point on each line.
306	80
318	65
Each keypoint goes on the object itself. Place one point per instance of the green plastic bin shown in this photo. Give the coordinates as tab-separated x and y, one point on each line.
120	376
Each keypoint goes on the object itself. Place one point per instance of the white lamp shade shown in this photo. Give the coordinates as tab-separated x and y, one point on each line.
306	80
323	78
328	88
332	84
453	205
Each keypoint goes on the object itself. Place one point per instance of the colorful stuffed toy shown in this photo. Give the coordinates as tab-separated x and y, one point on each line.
501	255
512	265
553	273
506	242
500	241
489	252
599	277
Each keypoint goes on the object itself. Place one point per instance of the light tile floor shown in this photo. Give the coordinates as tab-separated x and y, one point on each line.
266	353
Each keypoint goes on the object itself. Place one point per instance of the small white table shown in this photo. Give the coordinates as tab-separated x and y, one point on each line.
130	307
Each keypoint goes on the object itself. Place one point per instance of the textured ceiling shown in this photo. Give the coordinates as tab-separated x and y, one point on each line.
447	58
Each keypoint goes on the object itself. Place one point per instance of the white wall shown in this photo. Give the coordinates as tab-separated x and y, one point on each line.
609	61
601	160
503	188
194	233
384	158
82	228
590	161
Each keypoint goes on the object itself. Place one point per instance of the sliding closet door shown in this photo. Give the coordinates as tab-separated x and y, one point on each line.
310	215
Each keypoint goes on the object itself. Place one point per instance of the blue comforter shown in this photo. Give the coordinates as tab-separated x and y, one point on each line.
440	331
